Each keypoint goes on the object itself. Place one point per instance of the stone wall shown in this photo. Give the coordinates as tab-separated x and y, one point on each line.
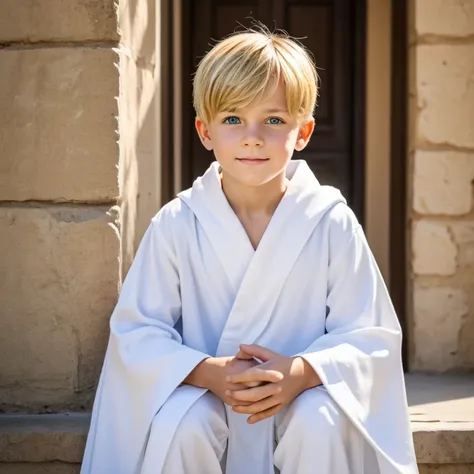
59	268
441	179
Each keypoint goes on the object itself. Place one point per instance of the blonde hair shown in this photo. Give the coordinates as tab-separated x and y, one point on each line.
242	68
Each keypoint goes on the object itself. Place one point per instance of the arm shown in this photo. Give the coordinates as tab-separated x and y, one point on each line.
143	322
202	375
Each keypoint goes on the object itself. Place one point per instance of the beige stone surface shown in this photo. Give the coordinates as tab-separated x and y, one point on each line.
435	398
446	468
438	319
463	233
433	249
43	438
46	468
442	415
444	443
140	122
139	24
444	17
441	131
443	182
59	273
57	20
58	127
445	94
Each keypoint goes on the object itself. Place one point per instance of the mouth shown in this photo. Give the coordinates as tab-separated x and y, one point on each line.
251	160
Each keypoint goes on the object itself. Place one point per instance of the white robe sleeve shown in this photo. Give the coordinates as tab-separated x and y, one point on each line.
145	359
359	358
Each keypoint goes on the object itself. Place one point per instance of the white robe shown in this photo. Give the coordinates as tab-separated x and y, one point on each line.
197	289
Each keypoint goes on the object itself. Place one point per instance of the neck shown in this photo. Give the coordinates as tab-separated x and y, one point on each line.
254	199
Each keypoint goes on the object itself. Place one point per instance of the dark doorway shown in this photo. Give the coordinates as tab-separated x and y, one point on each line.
334	31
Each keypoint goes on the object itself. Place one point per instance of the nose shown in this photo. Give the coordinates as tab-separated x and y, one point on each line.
253	137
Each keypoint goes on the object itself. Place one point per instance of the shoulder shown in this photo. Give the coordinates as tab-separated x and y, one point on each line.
171	218
341	218
342	227
171	212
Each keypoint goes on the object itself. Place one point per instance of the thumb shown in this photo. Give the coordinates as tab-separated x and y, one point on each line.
261	353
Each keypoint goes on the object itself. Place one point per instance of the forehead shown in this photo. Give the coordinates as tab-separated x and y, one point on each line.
273	101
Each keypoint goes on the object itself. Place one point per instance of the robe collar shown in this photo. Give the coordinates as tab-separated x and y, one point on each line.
257	276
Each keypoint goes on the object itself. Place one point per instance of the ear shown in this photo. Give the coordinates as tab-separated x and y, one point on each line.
304	134
203	133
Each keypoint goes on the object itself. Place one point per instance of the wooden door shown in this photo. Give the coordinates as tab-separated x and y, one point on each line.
333	32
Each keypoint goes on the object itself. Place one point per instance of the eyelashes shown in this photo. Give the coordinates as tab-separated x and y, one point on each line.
233	120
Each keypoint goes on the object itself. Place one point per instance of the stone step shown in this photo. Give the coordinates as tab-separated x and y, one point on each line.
442	418
441	410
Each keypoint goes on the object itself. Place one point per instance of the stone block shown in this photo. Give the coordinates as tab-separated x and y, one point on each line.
434	251
443	182
445	94
58	20
453	18
37	468
446	468
438	319
463	232
58	127
43	438
60	276
443	443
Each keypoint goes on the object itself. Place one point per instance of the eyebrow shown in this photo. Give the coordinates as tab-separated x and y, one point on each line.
276	111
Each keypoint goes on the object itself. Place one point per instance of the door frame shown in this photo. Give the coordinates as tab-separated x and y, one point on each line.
399	225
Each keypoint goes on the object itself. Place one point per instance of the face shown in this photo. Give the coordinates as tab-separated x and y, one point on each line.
253	145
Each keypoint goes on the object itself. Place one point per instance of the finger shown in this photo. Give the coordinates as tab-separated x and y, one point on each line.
253	384
253	408
257	351
232	402
235	387
255	394
264	414
256	374
243	356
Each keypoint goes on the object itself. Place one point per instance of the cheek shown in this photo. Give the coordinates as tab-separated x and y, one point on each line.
286	140
226	137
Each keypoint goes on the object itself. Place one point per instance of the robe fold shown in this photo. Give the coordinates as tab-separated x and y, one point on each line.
197	288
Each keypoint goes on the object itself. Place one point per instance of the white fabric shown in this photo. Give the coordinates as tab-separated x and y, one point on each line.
311	432
197	288
199	442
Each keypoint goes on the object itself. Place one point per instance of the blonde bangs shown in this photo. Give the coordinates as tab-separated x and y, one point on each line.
243	68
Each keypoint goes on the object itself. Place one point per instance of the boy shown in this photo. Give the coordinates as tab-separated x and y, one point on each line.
288	355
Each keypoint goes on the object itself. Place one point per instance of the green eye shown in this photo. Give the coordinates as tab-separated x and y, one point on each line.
232	120
274	121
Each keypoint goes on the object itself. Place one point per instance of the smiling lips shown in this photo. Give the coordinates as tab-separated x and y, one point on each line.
249	160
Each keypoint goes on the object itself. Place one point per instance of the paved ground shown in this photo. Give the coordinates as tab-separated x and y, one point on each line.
446	398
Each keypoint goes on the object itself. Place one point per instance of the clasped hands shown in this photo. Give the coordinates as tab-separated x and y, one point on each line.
262	389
